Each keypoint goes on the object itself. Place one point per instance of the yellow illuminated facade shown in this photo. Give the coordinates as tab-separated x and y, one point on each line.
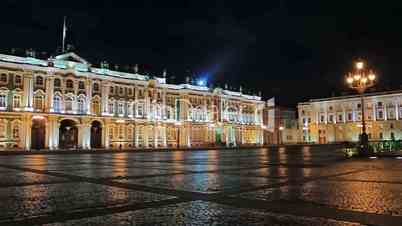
338	119
65	103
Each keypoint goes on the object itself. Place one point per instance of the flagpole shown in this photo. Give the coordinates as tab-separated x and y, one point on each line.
64	34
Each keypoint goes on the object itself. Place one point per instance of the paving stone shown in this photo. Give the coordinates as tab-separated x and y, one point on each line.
24	201
360	196
202	182
202	213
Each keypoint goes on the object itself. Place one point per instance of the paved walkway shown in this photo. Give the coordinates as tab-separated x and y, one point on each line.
293	186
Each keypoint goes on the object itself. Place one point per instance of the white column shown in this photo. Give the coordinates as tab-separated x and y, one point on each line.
105	99
396	111
164	137
145	135
385	112
374	112
155	136
136	136
27	126
88	92
28	93
50	92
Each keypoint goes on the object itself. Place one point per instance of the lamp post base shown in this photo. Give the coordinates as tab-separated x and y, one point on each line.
364	145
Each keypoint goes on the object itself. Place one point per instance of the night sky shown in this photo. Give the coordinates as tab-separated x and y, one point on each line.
293	50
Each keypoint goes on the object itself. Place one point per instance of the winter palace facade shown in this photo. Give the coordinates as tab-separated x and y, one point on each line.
64	103
339	119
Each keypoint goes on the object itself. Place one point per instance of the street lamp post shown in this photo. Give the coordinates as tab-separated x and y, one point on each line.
360	79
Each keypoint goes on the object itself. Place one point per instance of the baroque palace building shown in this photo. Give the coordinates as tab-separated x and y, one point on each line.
338	119
64	102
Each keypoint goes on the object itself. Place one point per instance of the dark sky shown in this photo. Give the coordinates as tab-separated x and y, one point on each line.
293	50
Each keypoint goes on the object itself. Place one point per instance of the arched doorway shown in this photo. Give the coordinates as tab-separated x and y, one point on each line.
38	133
68	134
96	134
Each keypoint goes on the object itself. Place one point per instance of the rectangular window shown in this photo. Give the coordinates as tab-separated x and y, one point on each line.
140	110
111	107
17	101
3	78
340	118
18	80
331	118
350	116
3	101
380	114
121	108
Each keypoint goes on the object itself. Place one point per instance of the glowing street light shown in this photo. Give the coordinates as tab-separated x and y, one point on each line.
361	79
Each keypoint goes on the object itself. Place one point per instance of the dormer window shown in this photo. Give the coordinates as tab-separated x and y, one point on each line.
111	89
130	91
121	91
39	81
69	84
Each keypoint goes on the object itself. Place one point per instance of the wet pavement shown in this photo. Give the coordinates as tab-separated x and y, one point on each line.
290	186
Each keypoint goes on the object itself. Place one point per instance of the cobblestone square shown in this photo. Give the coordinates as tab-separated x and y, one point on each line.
288	186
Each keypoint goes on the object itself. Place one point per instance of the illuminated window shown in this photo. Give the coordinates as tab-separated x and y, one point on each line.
16	131
121	132
38	103
95	107
68	102
81	105
57	103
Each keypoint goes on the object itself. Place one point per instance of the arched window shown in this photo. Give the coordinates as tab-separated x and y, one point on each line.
38	102
57	103
16	130
96	87
95	107
57	83
81	105
70	84
39	81
68	102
